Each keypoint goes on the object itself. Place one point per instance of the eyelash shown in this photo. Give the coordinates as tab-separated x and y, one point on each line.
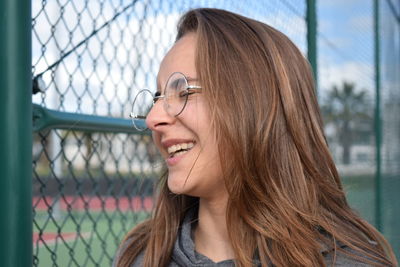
186	93
182	94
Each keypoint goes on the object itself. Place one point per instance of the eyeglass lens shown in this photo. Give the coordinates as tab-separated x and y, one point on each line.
175	98
175	94
142	104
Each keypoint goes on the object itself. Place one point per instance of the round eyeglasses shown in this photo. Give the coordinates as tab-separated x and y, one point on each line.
176	94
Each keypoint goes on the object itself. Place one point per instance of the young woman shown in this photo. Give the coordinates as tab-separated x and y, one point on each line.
250	180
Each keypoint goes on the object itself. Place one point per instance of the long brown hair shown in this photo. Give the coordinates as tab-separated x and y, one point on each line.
286	202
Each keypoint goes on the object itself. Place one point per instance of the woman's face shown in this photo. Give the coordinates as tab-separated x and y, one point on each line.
197	171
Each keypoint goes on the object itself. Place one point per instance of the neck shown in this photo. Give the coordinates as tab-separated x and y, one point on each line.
211	235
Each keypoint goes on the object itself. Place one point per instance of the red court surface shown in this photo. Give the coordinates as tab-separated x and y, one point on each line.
90	203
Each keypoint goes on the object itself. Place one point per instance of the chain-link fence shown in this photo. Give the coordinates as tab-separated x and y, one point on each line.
347	95
91	184
390	105
361	108
94	176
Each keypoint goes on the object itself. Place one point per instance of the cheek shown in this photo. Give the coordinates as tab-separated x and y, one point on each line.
214	161
210	158
157	141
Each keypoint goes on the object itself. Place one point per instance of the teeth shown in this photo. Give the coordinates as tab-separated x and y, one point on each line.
174	148
180	153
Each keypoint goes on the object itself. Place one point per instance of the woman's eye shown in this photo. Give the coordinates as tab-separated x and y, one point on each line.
185	93
156	97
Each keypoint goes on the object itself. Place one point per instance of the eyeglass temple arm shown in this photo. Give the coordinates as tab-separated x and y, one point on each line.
133	116
193	87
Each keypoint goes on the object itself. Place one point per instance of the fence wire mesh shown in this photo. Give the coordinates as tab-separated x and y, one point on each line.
347	92
390	91
91	57
347	95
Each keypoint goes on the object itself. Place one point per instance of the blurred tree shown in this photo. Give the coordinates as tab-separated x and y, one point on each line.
350	112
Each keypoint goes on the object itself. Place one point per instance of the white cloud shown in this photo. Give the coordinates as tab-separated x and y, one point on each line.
362	74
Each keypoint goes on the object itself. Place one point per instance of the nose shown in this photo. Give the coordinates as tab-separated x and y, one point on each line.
158	117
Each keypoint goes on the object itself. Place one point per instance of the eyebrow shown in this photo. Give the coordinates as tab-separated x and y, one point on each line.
188	78
191	79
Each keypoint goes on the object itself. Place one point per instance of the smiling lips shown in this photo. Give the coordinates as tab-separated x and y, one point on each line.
179	149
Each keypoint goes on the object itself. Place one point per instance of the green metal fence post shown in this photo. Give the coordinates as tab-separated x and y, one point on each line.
378	126
311	20
15	134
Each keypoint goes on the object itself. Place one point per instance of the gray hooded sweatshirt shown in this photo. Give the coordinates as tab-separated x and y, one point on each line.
185	255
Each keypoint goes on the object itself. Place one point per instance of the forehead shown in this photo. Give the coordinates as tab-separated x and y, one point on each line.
180	58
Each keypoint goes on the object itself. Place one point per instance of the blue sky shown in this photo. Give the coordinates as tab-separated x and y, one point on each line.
345	47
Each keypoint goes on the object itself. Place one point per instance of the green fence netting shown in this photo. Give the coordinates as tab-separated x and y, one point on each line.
90	58
347	95
390	90
352	99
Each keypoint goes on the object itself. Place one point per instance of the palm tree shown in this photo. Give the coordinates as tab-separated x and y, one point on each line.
349	111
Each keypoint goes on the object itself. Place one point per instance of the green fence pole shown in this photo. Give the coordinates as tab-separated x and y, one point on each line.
378	126
44	119
311	20
15	134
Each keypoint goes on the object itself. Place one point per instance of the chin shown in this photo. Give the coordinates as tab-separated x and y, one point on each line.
177	186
